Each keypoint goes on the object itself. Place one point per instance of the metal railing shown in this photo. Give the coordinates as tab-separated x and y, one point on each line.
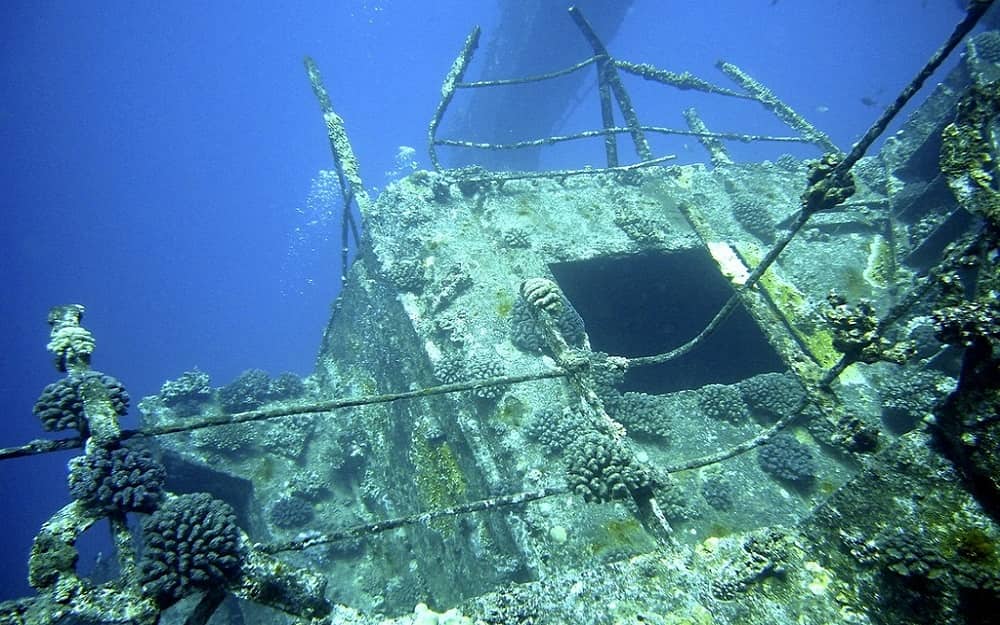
612	90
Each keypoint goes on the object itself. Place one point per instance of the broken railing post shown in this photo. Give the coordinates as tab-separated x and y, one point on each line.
716	149
607	114
609	75
451	81
348	171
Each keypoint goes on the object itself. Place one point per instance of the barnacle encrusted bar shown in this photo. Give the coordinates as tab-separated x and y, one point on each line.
716	149
784	112
451	81
348	171
609	75
343	153
683	80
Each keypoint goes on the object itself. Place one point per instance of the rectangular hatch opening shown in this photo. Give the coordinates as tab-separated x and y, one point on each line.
652	302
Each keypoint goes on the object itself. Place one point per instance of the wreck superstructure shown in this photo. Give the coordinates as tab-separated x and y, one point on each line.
518	412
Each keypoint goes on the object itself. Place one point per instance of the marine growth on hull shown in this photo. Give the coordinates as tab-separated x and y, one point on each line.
640	393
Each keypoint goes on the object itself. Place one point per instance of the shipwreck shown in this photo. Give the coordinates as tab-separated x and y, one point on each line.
638	393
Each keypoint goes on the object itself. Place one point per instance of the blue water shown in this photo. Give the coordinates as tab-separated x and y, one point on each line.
155	156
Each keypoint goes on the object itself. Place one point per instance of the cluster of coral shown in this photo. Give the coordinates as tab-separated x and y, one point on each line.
183	545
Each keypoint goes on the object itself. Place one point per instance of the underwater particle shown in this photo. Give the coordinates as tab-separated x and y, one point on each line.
786	459
772	394
722	403
405	163
600	469
291	512
192	544
61	405
558	534
753	215
315	224
119	480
